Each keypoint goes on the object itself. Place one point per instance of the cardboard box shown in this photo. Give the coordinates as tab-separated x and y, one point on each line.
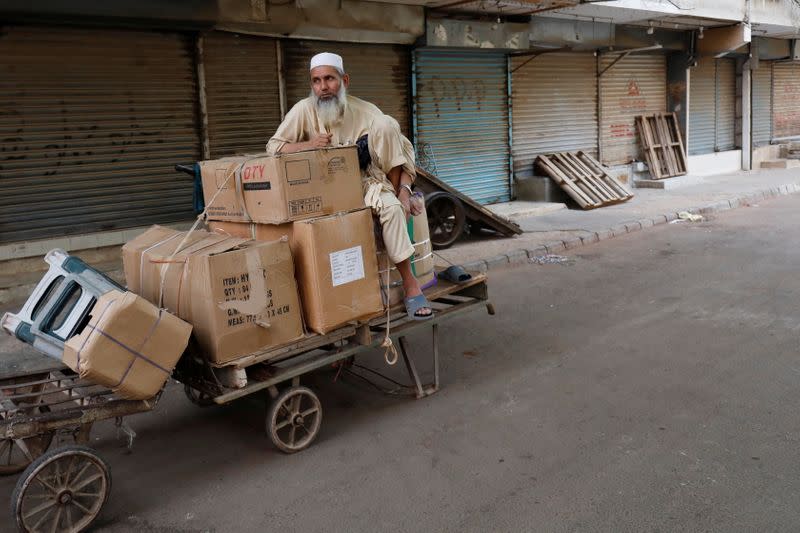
240	295
129	345
284	188
337	269
257	232
422	262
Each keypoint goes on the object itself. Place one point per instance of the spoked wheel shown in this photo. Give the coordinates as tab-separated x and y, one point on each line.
63	490
294	419
197	397
16	454
446	218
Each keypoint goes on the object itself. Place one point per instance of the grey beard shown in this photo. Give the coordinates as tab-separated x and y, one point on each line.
330	111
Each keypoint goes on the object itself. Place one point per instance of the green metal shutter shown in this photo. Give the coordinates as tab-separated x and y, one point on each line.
636	85
379	73
762	103
786	100
702	106
461	114
91	124
726	105
242	95
554	98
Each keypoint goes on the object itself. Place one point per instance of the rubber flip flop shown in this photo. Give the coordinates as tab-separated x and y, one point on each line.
455	273
414	304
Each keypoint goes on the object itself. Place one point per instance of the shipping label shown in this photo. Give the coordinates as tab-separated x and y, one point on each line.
347	266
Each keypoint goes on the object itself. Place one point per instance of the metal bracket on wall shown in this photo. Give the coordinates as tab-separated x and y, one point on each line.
626	53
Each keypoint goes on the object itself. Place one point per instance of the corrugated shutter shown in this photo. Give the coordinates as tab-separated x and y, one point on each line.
762	103
92	123
242	95
554	98
461	114
636	85
379	73
702	106
726	105
786	100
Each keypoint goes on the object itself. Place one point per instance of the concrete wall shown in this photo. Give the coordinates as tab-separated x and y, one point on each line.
716	163
765	153
775	12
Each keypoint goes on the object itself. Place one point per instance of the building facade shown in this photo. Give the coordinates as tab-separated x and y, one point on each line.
100	102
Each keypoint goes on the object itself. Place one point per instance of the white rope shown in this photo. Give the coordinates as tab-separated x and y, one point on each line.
390	354
199	219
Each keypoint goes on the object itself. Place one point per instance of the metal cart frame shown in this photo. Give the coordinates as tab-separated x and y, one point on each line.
38	404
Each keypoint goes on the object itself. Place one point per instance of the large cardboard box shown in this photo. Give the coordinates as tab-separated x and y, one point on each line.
337	269
257	232
422	262
283	188
240	295
129	345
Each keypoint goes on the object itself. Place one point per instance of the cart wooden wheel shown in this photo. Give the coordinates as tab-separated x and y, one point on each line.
63	490
199	398
446	218
16	454
294	419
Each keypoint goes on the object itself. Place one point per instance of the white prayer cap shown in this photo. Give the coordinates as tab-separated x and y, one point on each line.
327	59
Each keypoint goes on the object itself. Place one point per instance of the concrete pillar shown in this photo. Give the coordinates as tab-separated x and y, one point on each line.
678	91
747	138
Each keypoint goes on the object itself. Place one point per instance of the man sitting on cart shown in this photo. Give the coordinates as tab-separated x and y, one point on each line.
331	117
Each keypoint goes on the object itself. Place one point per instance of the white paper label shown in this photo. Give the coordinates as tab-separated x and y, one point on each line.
347	265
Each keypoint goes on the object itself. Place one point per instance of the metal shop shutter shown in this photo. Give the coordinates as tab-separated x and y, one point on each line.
554	102
762	103
786	100
461	116
242	95
92	123
712	106
379	73
726	105
702	105
636	85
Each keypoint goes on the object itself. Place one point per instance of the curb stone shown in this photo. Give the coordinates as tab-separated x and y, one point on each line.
518	257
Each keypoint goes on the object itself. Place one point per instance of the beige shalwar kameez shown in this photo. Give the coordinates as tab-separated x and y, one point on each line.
387	146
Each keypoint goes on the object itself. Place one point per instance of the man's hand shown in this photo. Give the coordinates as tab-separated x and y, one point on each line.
320	140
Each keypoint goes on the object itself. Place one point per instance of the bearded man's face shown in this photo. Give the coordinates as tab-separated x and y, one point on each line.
329	90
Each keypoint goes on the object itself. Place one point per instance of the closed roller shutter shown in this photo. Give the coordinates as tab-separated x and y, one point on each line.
786	100
242	95
92	123
379	74
726	105
554	98
762	103
461	115
702	107
712	106
636	85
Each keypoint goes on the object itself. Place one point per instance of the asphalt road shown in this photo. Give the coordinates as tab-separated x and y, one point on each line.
650	383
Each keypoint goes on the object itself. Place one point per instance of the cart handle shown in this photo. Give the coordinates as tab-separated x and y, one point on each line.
188	169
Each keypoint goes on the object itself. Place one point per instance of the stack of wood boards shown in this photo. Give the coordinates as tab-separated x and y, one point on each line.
583	178
662	144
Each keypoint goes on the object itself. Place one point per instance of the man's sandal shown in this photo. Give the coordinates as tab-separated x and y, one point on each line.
415	304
